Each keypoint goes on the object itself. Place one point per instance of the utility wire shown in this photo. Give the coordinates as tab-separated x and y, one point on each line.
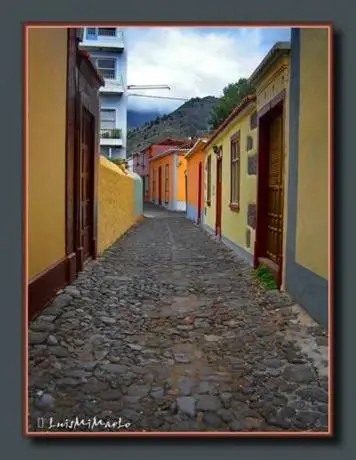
158	97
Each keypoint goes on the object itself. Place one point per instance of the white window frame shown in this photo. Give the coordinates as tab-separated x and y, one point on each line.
111	110
97	59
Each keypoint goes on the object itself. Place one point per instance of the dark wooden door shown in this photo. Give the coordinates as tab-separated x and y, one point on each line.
218	197
186	188
199	192
87	183
144	179
274	240
160	185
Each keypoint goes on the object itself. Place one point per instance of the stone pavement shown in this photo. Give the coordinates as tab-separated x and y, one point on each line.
170	331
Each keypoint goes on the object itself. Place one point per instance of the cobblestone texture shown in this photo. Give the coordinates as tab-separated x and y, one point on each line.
170	331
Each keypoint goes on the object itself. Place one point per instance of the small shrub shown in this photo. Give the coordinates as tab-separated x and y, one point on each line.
120	162
266	277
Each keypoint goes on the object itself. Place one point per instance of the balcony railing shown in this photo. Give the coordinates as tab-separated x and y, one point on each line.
95	33
108	74
107	31
114	133
112	85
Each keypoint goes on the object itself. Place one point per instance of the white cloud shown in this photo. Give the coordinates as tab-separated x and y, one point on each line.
194	63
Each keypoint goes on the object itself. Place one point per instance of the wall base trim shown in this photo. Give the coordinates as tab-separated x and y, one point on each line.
44	286
310	290
239	250
72	267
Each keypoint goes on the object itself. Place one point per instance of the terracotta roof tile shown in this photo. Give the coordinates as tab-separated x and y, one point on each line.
235	112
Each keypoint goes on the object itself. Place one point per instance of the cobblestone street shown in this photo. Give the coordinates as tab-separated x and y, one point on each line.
170	331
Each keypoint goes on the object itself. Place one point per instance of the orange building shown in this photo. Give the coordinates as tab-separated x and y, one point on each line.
167	179
195	181
141	159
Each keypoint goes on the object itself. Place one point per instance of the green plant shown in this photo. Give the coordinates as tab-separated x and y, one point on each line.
266	277
121	163
233	94
116	133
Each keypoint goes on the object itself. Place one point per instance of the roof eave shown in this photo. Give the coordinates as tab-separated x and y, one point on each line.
244	104
84	55
276	52
199	142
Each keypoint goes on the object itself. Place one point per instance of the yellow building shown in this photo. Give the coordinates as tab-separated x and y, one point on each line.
292	187
79	203
307	206
62	103
230	179
271	81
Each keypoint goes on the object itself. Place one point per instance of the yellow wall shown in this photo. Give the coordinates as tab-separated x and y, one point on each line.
273	82
193	177
181	178
234	224
116	207
210	215
47	67
312	224
154	171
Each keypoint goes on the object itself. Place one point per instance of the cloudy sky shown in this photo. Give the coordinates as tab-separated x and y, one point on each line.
193	61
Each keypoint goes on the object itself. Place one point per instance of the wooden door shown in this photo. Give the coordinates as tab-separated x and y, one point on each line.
160	185
218	197
274	237
86	184
200	172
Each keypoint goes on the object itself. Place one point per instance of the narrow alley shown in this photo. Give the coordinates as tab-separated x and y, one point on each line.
170	331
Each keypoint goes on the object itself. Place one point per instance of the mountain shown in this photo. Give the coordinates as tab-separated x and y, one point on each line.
190	120
136	118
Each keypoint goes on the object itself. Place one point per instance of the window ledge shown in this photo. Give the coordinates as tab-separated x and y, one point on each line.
234	207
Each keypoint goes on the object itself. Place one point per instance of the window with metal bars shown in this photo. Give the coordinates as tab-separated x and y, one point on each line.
235	170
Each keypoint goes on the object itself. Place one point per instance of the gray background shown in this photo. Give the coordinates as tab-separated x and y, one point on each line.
11	192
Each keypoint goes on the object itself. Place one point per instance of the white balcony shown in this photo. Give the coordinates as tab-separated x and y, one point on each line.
112	85
103	38
110	137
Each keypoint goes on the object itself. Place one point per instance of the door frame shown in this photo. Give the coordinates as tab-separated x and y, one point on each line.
82	91
274	108
92	249
88	101
200	180
82	79
218	200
